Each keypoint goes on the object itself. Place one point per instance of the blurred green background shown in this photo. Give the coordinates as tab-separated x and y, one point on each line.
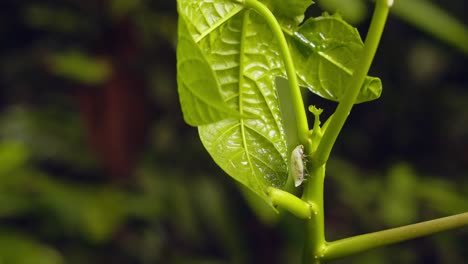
97	165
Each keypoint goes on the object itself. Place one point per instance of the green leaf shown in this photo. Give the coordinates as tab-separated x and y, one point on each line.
289	13
199	90
326	50
241	52
204	16
250	148
228	60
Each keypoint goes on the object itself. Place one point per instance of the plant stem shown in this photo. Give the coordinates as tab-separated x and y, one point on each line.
298	103
315	226
352	245
346	104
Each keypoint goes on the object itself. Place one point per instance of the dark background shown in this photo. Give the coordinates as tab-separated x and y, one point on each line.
97	165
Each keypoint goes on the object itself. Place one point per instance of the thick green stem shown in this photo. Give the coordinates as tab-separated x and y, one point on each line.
298	103
315	226
346	104
352	245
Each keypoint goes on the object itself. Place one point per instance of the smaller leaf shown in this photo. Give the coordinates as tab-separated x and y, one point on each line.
199	90
326	50
289	13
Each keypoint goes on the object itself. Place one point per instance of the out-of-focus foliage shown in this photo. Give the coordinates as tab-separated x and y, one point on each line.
422	14
398	197
16	248
353	12
79	67
401	159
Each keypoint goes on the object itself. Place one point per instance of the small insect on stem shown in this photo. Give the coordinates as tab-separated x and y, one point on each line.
297	165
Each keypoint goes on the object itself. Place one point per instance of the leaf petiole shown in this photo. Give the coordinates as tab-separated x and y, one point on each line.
298	103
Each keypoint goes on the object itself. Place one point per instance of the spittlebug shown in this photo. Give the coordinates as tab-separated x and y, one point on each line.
297	165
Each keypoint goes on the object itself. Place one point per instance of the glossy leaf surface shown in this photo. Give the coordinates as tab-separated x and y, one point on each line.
289	13
244	57
204	16
326	50
251	148
199	90
228	60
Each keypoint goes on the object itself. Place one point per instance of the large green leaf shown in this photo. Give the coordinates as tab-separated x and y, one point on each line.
325	51
199	90
252	148
243	56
